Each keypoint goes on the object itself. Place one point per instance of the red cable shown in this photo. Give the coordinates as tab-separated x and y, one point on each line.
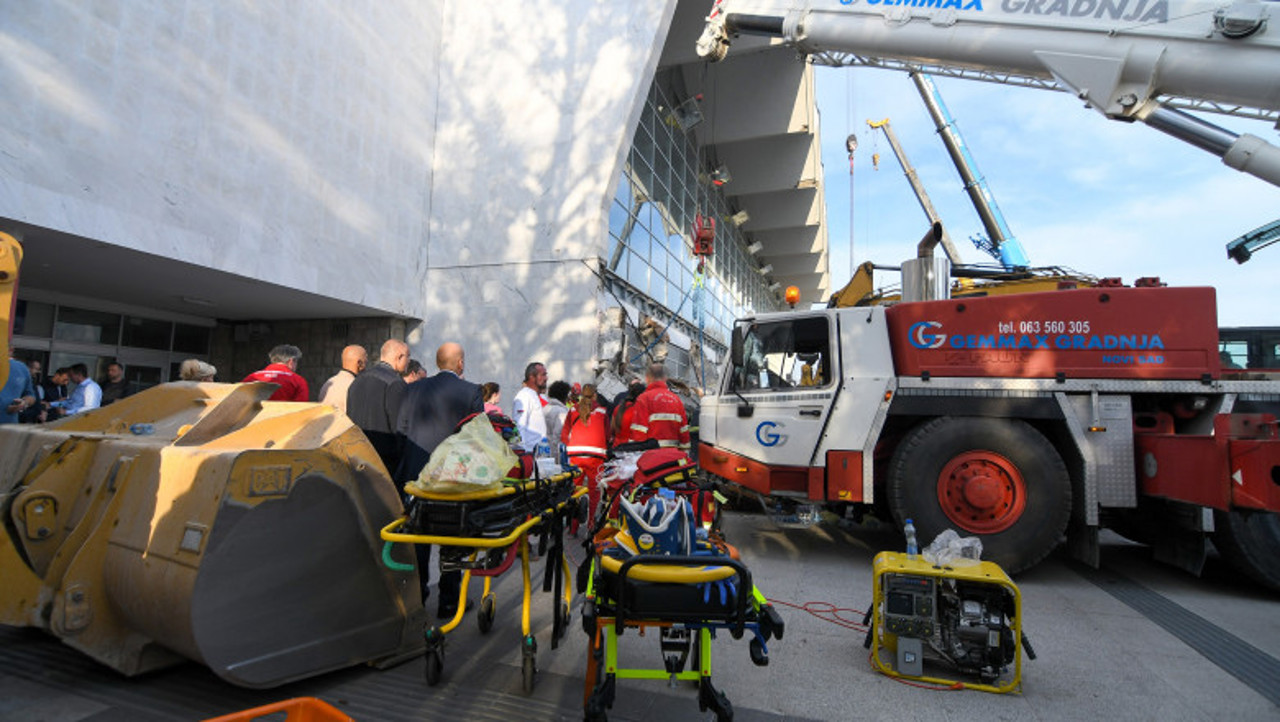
828	612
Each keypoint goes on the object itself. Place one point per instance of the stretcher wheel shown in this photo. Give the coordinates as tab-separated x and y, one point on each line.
564	619
435	665
528	670
759	657
484	618
528	663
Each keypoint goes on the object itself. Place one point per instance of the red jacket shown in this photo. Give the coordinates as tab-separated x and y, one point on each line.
660	415
587	438
626	411
292	386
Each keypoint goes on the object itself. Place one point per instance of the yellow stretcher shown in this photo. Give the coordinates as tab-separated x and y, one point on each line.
481	533
686	598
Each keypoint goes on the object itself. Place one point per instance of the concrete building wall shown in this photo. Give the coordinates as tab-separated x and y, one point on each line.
286	142
443	161
537	108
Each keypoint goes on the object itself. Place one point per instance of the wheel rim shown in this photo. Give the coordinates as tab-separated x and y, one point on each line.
982	492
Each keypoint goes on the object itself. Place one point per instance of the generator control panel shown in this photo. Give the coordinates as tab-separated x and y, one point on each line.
910	605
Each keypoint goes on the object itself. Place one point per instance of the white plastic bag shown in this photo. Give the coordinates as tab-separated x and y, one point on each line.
476	458
949	549
618	469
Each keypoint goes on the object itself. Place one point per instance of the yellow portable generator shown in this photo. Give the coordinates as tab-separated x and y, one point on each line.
946	625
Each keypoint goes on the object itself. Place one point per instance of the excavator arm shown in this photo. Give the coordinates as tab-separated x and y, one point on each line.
1122	57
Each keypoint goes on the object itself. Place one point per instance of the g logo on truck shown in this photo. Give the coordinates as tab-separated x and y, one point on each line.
766	435
920	337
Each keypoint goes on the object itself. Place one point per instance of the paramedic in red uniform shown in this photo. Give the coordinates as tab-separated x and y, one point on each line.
585	436
283	371
659	414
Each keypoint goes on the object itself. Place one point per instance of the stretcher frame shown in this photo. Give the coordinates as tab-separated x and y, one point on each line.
606	618
516	542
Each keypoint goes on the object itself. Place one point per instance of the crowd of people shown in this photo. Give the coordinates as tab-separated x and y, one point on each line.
29	396
405	412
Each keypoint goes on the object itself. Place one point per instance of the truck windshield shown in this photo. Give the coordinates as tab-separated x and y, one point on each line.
789	354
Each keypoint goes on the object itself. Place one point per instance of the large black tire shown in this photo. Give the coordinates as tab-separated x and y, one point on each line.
998	479
1250	542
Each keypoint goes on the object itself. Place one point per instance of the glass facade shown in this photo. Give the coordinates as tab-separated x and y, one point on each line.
664	186
151	349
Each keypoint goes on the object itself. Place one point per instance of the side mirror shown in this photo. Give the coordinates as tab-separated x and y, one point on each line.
745	410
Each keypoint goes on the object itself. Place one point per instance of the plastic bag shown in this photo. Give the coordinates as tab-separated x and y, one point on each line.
949	549
618	470
476	458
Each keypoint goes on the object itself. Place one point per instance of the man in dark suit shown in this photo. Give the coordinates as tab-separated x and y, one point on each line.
430	411
374	398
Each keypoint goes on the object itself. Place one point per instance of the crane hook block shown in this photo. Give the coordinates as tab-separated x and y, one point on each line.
704	235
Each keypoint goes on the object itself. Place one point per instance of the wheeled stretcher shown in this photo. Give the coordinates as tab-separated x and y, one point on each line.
481	534
635	582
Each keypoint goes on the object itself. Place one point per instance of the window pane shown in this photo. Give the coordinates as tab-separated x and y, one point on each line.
95	365
33	319
77	324
637	272
146	333
638	242
191	339
141	377
619	220
623	193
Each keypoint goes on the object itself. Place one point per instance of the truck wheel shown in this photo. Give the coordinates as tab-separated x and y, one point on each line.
999	479
1248	540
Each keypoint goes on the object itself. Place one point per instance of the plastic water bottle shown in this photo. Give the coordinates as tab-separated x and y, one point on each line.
913	549
543	459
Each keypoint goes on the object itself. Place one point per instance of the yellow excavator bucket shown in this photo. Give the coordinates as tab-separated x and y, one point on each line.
201	521
10	260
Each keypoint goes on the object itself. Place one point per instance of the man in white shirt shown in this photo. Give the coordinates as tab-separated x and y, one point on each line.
85	394
334	391
526	408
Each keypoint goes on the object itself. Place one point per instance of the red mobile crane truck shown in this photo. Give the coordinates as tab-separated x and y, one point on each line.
1023	418
1016	418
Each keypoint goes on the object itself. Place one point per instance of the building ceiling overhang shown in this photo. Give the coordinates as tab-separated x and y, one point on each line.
760	124
62	262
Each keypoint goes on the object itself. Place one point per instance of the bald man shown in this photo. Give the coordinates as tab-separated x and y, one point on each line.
334	391
433	407
430	412
373	401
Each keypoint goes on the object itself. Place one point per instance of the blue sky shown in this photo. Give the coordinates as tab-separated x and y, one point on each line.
1098	196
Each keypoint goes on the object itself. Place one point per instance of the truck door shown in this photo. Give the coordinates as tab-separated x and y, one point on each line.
776	400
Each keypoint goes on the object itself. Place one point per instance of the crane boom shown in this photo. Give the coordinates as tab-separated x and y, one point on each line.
910	172
1120	56
1001	241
